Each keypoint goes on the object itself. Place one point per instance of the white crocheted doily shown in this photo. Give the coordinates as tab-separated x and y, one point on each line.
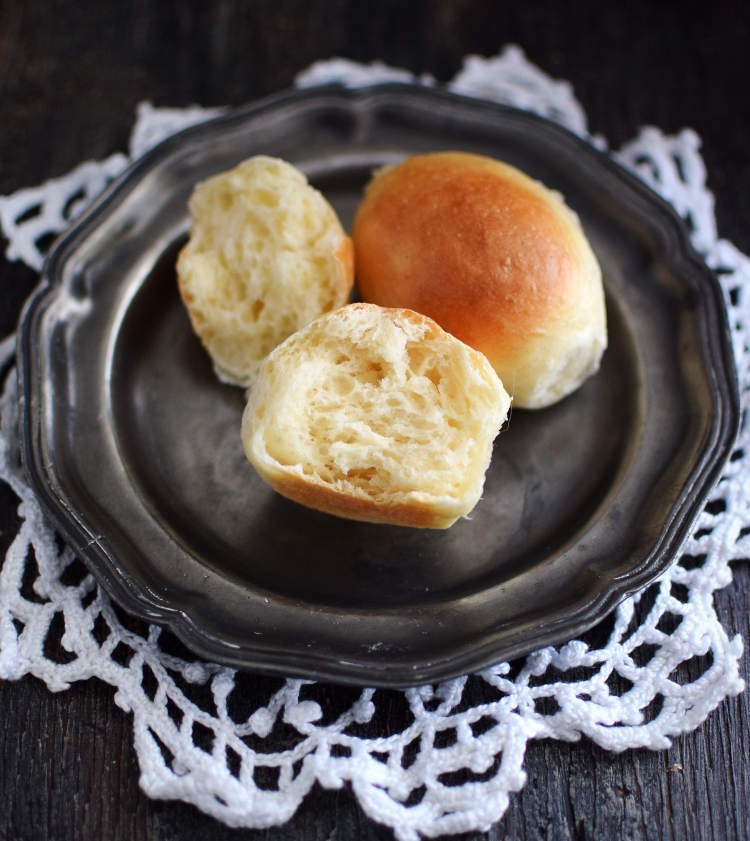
454	764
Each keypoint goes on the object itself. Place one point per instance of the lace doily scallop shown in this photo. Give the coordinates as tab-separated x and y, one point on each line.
460	756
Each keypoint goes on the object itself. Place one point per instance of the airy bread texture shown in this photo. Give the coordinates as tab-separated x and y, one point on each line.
496	258
375	414
266	255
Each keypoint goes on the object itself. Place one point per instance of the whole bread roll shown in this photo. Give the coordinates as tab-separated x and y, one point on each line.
496	258
266	255
375	414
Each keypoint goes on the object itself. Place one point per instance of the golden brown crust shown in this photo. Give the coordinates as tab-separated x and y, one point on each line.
312	493
344	255
436	218
490	254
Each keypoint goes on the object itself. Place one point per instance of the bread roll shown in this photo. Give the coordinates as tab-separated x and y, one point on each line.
375	414
266	255
496	258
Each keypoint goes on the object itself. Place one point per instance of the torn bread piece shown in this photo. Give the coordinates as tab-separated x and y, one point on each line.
266	255
376	414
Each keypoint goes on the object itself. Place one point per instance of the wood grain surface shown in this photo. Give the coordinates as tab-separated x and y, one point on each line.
71	75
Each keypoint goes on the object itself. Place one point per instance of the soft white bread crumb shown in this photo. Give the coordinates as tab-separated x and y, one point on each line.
266	255
376	414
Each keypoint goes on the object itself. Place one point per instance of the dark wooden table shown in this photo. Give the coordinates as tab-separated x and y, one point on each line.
70	76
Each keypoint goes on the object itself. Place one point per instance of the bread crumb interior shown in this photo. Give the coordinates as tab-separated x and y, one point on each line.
387	413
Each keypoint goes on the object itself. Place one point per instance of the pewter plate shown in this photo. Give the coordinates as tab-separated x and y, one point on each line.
133	446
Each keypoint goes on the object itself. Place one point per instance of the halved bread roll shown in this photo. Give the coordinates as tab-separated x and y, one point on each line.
266	255
496	258
375	414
